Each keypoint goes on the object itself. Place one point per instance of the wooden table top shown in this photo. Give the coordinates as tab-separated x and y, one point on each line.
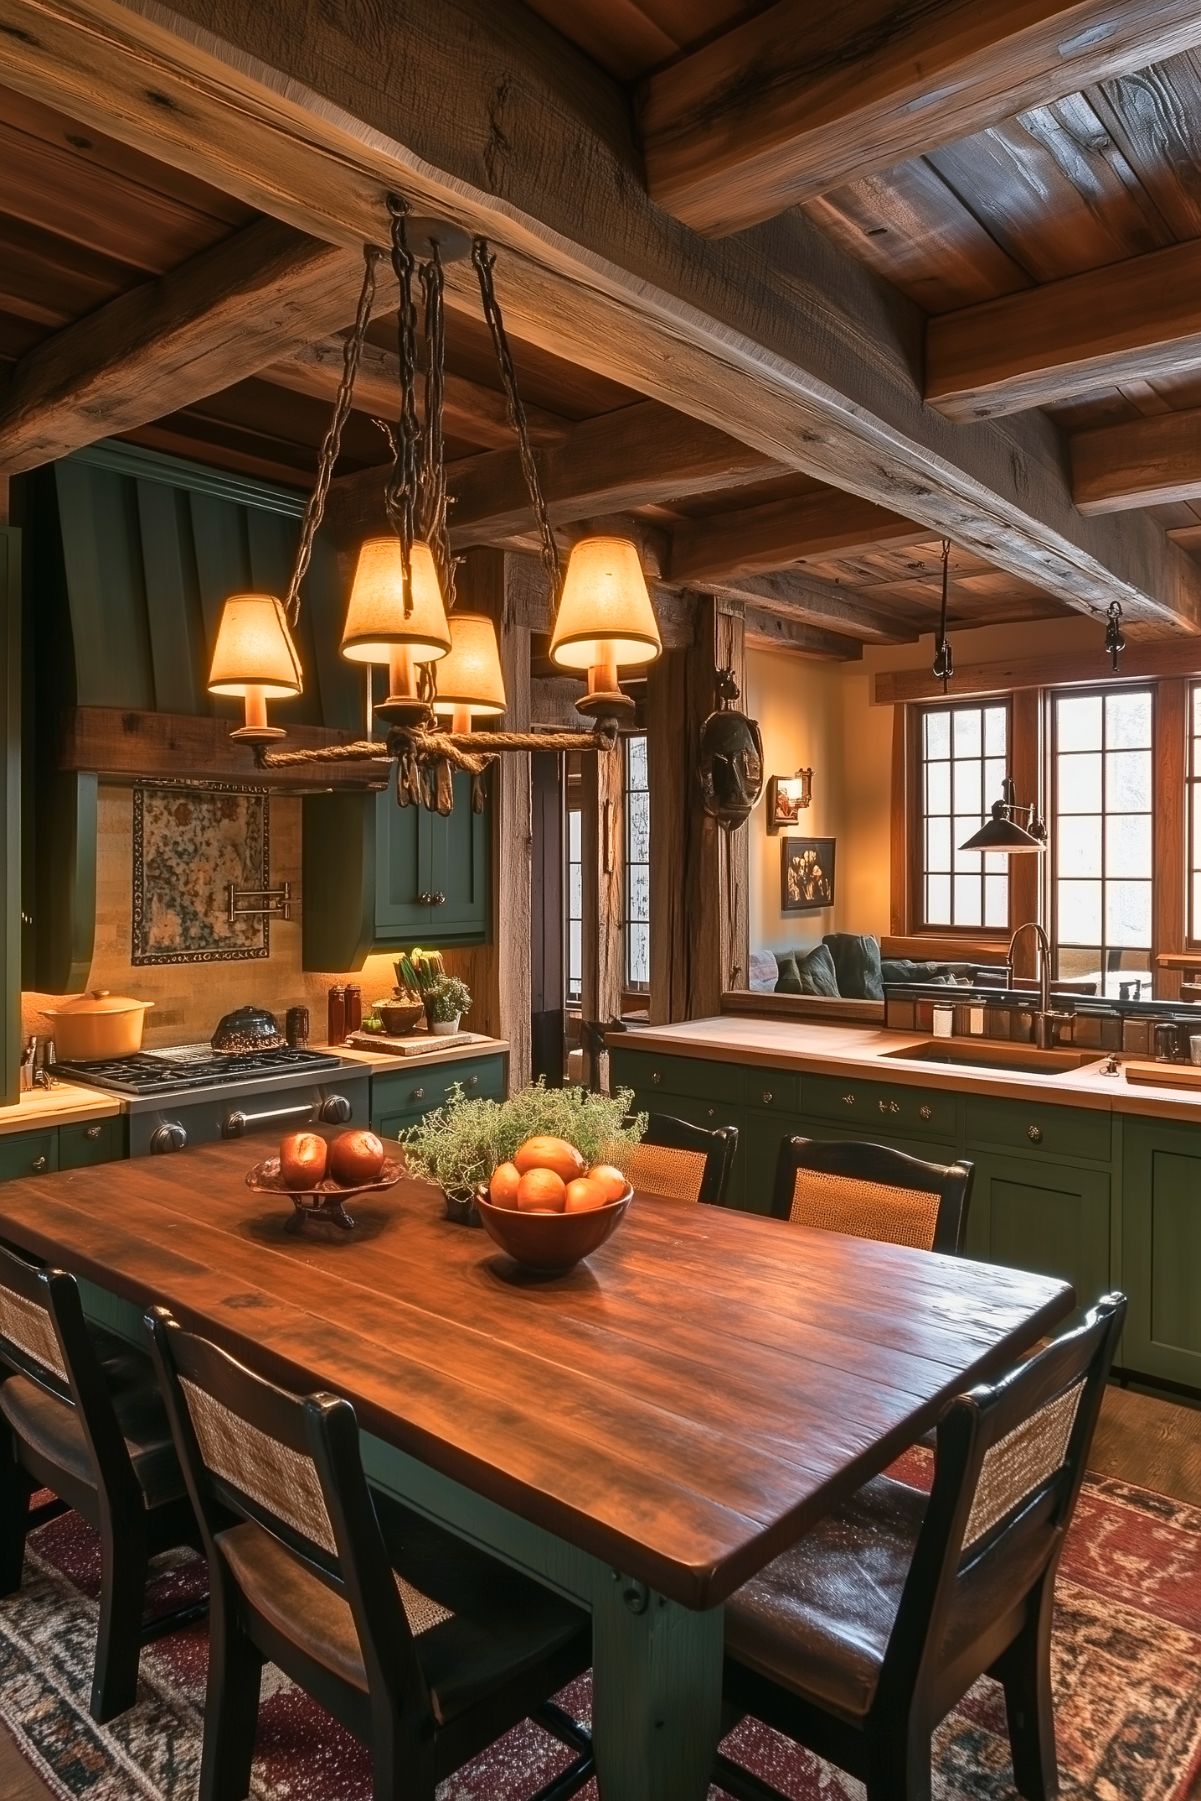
683	1405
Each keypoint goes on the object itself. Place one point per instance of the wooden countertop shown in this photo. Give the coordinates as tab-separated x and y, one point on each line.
683	1405
383	1061
855	1050
62	1105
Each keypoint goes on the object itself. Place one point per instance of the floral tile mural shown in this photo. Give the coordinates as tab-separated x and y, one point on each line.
189	844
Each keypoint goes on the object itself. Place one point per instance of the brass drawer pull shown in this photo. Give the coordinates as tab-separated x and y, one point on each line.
1034	1134
848	1100
709	1112
39	1165
768	1097
92	1132
472	1082
925	1113
889	1106
418	1094
656	1078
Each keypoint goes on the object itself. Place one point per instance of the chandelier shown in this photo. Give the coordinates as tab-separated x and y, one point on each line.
444	667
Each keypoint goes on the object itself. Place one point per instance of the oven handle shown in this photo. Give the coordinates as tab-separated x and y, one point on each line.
234	1124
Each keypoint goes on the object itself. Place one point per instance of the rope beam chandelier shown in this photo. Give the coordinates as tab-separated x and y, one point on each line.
443	665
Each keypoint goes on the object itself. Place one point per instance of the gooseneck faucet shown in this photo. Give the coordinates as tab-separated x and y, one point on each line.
1044	1020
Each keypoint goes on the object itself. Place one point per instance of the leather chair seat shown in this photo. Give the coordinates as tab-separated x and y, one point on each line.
52	1426
817	1620
501	1624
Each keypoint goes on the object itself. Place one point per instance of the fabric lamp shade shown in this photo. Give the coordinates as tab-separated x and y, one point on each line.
470	678
254	649
376	623
605	614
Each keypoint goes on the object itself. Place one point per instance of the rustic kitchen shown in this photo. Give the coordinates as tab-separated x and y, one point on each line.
600	1071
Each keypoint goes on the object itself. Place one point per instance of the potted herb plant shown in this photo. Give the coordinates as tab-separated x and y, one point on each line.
446	1001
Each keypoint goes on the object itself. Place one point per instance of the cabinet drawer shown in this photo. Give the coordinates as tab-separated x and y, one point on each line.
90	1141
649	1075
418	1091
881	1111
771	1090
1037	1129
28	1154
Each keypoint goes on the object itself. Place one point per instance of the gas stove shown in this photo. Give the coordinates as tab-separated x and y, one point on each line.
190	1066
192	1095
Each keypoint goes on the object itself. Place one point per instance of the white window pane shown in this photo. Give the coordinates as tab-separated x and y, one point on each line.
968	794
1128	781
575	948
1197	710
639	957
996	863
996	900
967	901
966	732
1078	845
1128	719
575	892
1128	913
938	734
938	844
1197	825
938	900
636	762
994	775
994	731
1079	908
1080	964
638	819
1128	845
938	788
1078	722
966	861
574	828
1079	777
640	892
1196	926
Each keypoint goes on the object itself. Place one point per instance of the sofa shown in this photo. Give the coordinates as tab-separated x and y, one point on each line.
848	966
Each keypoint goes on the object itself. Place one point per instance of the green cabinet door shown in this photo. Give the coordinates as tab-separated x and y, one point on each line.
91	1141
28	1153
1049	1218
1161	1249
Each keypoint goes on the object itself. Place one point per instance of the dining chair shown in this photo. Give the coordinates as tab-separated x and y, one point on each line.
682	1161
81	1415
424	1648
872	1191
860	1640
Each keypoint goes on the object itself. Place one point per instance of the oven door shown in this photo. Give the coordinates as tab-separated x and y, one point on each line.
174	1125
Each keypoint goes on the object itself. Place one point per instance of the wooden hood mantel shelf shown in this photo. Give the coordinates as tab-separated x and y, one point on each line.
124	745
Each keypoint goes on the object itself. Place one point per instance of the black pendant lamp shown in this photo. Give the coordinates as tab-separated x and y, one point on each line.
1003	831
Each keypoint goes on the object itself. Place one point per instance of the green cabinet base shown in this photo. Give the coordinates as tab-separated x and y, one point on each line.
399	1098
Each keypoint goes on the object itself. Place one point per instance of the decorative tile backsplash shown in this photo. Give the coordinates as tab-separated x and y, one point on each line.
189	845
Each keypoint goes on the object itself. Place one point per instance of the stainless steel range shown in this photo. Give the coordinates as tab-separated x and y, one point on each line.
192	1095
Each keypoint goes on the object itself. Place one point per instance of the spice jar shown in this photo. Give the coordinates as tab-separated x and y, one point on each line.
335	1005
354	1007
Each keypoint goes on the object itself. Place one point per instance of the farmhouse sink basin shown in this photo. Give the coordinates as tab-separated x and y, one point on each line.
994	1055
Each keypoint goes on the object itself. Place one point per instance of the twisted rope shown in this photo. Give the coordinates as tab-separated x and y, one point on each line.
471	751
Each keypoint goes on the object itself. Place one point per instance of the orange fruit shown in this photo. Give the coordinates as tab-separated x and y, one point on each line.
541	1191
610	1178
584	1194
502	1189
550	1153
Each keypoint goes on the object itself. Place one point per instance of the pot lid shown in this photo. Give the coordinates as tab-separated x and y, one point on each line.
96	1001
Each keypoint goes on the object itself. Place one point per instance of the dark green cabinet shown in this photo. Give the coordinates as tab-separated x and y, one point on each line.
73	1146
401	1097
28	1153
1035	1214
379	877
1161	1248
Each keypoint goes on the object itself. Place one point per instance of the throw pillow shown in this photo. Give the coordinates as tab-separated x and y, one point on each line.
789	979
816	973
857	965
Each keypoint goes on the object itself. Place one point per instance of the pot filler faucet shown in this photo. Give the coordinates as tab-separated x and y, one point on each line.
1045	1022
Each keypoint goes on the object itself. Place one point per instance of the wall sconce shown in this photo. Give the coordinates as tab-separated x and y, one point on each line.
787	798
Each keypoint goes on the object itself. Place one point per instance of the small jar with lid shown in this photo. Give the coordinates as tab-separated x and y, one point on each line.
335	1005
354	1007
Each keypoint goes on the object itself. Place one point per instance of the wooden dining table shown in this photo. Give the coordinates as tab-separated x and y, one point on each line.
642	1433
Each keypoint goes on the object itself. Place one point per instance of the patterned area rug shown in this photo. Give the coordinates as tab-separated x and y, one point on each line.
1127	1686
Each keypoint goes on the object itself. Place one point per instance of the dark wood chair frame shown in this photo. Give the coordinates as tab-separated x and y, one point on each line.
394	1717
865	1162
132	1530
890	1750
718	1147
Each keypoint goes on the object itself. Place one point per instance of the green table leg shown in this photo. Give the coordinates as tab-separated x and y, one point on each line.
656	1717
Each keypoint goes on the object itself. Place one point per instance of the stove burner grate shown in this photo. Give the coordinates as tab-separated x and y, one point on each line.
191	1066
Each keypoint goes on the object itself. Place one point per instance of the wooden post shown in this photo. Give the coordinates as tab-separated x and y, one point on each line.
503	967
602	840
10	805
700	934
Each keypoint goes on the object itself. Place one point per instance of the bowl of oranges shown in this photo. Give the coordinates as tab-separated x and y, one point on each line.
547	1209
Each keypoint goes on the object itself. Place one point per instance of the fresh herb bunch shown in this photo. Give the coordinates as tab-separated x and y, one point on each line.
459	1145
419	971
447	998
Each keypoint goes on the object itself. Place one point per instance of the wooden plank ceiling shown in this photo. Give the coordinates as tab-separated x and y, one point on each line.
1022	246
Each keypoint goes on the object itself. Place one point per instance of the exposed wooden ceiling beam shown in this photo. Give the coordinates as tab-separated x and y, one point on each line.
797	100
779	339
1144	659
1140	463
217	318
791	595
780	532
1136	319
628	458
769	631
472	411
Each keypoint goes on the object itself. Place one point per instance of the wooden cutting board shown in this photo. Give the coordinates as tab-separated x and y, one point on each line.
1164	1075
420	1044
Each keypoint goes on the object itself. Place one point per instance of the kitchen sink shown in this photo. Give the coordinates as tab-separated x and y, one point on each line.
996	1055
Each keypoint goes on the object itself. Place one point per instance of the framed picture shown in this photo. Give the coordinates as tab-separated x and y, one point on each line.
787	798
806	874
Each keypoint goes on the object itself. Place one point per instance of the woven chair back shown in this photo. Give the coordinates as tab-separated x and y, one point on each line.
872	1191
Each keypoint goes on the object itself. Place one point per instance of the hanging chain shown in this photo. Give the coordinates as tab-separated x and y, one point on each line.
433	513
484	260
1115	643
331	444
400	491
944	668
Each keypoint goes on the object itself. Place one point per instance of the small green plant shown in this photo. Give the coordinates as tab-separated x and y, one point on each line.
459	1145
419	971
447	998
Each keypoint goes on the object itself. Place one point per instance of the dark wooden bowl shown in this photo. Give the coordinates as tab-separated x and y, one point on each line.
551	1242
400	1017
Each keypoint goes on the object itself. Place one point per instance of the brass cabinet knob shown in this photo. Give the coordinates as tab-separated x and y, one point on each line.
39	1164
768	1097
709	1112
1034	1134
438	899
418	1094
925	1113
472	1082
889	1106
848	1100
92	1132
656	1078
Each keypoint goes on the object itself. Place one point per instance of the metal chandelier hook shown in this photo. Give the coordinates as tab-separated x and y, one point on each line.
944	667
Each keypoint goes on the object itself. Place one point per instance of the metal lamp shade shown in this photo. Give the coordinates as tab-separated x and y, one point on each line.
376	622
254	649
605	615
1002	834
469	678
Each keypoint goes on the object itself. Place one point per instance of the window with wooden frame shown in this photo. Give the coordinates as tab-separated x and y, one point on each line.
573	896
1194	814
637	886
1102	831
961	754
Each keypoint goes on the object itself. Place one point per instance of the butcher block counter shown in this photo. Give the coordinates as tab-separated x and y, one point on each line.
1078	1174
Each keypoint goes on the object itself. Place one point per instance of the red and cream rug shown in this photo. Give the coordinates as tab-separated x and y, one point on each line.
1127	1687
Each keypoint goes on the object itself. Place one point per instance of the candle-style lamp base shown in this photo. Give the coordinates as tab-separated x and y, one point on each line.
404	709
608	703
258	734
